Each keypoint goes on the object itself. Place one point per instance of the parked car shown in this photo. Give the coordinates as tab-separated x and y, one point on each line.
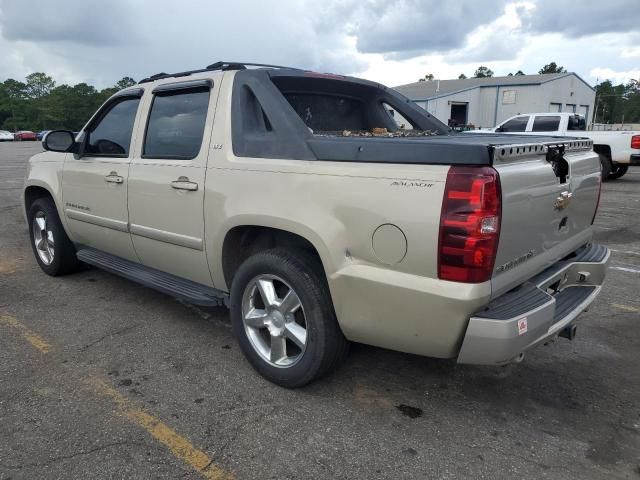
42	134
6	136
24	135
618	150
307	210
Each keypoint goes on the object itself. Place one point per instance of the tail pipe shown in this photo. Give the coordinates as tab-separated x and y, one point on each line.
569	332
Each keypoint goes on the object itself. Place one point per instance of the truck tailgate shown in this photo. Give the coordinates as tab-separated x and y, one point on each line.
550	192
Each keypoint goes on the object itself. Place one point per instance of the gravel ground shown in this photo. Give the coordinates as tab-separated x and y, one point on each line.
102	378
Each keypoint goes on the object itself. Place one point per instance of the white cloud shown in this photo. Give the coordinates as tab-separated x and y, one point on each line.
389	42
630	52
615	76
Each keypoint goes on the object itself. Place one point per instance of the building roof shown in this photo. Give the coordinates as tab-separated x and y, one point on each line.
435	88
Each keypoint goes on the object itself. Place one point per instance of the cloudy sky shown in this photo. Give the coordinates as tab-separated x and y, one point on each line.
393	42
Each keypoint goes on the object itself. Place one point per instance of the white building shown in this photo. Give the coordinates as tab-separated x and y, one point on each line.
485	102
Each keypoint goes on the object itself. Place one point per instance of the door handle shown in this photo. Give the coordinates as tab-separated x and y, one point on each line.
113	177
183	183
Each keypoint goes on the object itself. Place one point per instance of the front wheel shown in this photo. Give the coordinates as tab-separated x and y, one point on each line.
52	248
283	317
618	171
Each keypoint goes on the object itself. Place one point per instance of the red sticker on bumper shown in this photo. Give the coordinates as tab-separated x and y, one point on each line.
522	326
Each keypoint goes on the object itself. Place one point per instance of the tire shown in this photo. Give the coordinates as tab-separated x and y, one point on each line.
46	229
619	171
606	167
271	337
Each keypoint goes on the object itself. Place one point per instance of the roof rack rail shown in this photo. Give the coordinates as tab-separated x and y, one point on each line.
214	66
243	65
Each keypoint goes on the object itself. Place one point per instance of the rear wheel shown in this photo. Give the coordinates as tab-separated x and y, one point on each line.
618	171
52	248
283	317
606	167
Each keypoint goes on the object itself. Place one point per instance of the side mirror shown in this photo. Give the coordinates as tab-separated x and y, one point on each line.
500	129
59	141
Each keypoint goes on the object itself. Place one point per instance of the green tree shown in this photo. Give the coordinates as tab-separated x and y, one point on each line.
632	101
16	98
552	68
610	101
38	85
519	73
38	88
483	72
462	76
125	82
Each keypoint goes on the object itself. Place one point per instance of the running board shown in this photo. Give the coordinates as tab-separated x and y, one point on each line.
180	288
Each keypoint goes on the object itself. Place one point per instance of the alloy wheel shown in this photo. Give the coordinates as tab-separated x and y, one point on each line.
43	238
274	320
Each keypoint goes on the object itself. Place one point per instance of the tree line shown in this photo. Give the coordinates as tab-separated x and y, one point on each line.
614	103
39	104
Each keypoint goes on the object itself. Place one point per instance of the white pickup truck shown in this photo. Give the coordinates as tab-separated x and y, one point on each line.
617	149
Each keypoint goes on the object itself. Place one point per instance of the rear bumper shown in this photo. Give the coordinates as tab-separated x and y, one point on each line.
537	311
634	160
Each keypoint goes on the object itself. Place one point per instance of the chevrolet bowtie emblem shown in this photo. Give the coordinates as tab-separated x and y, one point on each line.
563	200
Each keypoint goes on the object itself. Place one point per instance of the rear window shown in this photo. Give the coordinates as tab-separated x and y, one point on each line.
577	122
323	112
547	123
330	105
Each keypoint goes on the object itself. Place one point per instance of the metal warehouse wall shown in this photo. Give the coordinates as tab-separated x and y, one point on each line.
567	91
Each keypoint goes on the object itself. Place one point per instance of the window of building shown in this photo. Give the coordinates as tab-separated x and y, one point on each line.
508	97
176	124
555	107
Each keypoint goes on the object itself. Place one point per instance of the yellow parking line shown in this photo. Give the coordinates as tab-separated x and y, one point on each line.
628	308
29	335
179	446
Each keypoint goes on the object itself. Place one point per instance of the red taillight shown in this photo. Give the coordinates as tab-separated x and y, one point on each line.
635	141
469	224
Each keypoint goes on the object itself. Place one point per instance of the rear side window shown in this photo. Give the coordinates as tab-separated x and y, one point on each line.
111	136
576	122
518	124
547	123
325	112
176	124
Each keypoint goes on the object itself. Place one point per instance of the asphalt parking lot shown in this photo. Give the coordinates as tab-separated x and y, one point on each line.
102	378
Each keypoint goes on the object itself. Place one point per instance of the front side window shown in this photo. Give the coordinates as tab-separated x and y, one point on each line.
547	123
176	124
518	124
111	136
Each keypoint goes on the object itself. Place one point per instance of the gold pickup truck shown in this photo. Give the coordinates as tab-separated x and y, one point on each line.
324	209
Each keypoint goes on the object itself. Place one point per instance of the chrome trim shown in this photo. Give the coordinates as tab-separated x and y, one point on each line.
111	223
167	237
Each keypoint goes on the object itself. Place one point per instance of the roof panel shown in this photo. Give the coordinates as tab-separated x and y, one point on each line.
434	88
